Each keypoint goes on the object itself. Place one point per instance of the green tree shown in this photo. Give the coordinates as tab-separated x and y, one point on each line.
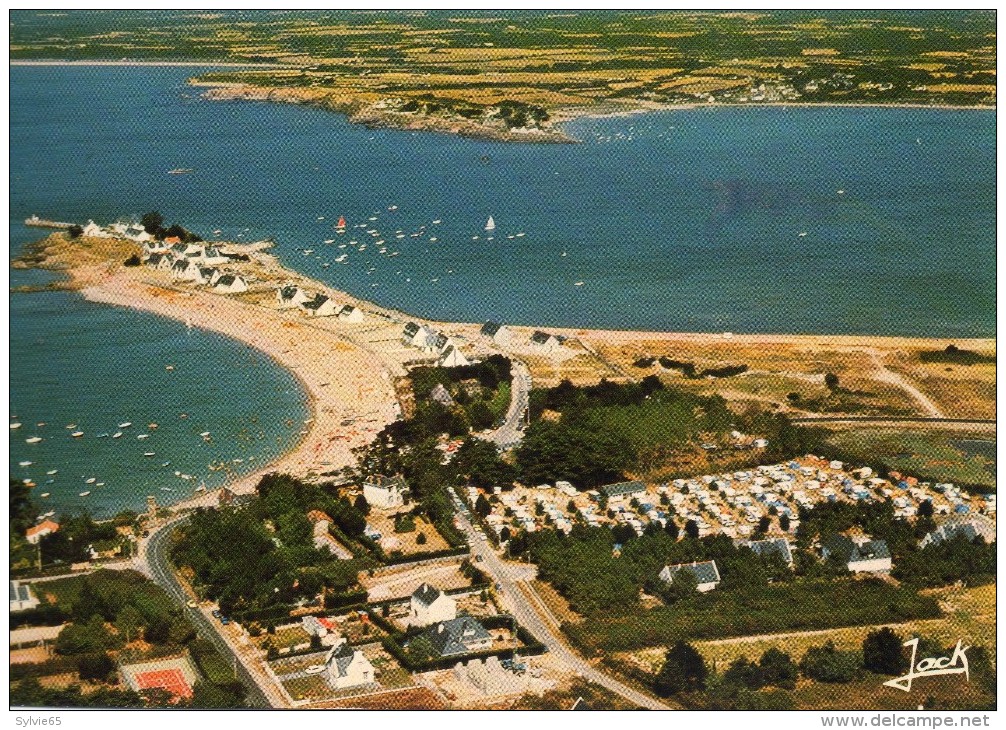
763	524
831	381
692	529
671	529
684	670
828	664
152	222
784	523
482	506
206	695
421	538
778	669
883	653
75	231
96	667
128	623
361	505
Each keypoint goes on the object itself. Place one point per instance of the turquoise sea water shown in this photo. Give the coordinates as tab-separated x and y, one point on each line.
685	220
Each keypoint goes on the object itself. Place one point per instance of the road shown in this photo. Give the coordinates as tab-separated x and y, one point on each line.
514	591
510	433
153	561
894	420
885	375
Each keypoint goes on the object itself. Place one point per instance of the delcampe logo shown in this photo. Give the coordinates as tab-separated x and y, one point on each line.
956	663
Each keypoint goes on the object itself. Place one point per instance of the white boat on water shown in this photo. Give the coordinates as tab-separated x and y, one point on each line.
127	424
520	235
204	434
15	426
77	434
167	489
43	495
25	463
117	435
142	436
166	463
149	453
329	240
579	283
436	222
33	439
92	480
84	494
490	224
52	471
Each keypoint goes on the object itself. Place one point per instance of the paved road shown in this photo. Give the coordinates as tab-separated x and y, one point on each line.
514	597
153	561
510	433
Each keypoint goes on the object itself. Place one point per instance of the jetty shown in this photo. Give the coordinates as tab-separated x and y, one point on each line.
43	223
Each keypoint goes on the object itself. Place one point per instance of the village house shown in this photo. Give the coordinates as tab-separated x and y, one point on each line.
21	597
320	306
323	538
777	546
860	555
420	336
969	527
707	575
166	262
93	230
439	394
452	358
131	231
37	532
212	256
230	284
207	275
153	247
621	490
544	343
319	626
385	492
290	296
184	270
429	605
347	667
458	636
350	314
496	333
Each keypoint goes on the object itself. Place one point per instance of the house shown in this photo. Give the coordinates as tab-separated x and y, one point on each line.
545	343
318	626
452	358
350	314
347	667
777	546
385	492
37	532
622	489
461	635
184	270
93	230
290	296
428	605
231	284
207	275
135	233
323	538
969	528
860	555
212	256
320	306
21	597
155	246
421	336
439	394
165	263
442	342
154	260
497	333
707	575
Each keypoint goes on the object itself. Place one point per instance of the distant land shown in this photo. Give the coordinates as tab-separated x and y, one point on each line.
512	75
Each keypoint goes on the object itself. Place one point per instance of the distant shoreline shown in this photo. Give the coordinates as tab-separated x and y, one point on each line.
97	62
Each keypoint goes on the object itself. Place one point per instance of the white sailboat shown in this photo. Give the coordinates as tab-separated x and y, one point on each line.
490	224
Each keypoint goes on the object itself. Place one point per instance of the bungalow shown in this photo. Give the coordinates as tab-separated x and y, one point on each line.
707	575
778	546
206	275
136	233
184	270
347	667
970	527
187	250
350	314
860	555
320	306
164	263
428	605
93	230
154	260
37	532
318	626
231	284
213	257
452	358
385	492
21	597
441	342
155	246
497	333
459	636
545	343
622	489
290	296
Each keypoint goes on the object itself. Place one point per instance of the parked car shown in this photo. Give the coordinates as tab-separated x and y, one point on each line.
315	669
216	613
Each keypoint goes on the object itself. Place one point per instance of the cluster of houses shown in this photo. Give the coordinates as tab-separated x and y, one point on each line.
344	666
197	263
132	231
448	633
291	296
542	343
430	342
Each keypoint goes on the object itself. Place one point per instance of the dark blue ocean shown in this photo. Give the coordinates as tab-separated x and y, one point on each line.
812	220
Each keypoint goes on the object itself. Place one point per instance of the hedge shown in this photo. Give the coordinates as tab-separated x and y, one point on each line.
55	665
429	555
44	615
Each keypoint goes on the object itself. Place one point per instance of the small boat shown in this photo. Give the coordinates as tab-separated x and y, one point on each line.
152	426
143	436
92	480
25	463
436	222
52	471
433	239
102	436
43	495
117	435
15	426
166	463
841	192
321	217
167	489
100	484
201	487
520	235
372	218
341	223
579	283
40	424
204	434
169	368
392	207
148	453
802	234
72	425
84	494
127	424
33	440
28	482
564	253
178	473
490	224
180	171
329	240
50	481
77	434
238	461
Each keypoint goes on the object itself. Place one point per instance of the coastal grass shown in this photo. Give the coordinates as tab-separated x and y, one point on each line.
781	607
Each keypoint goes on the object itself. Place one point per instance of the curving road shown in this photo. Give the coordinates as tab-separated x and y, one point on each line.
515	592
510	433
152	559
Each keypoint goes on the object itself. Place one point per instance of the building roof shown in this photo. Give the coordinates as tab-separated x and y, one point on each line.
19	592
620	488
851	552
705	572
427	594
968	527
347	309
450	638
340	656
777	546
540	337
440	394
181	264
227	279
207	271
42	527
410	330
155	258
440	340
380	481
491	328
316	303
